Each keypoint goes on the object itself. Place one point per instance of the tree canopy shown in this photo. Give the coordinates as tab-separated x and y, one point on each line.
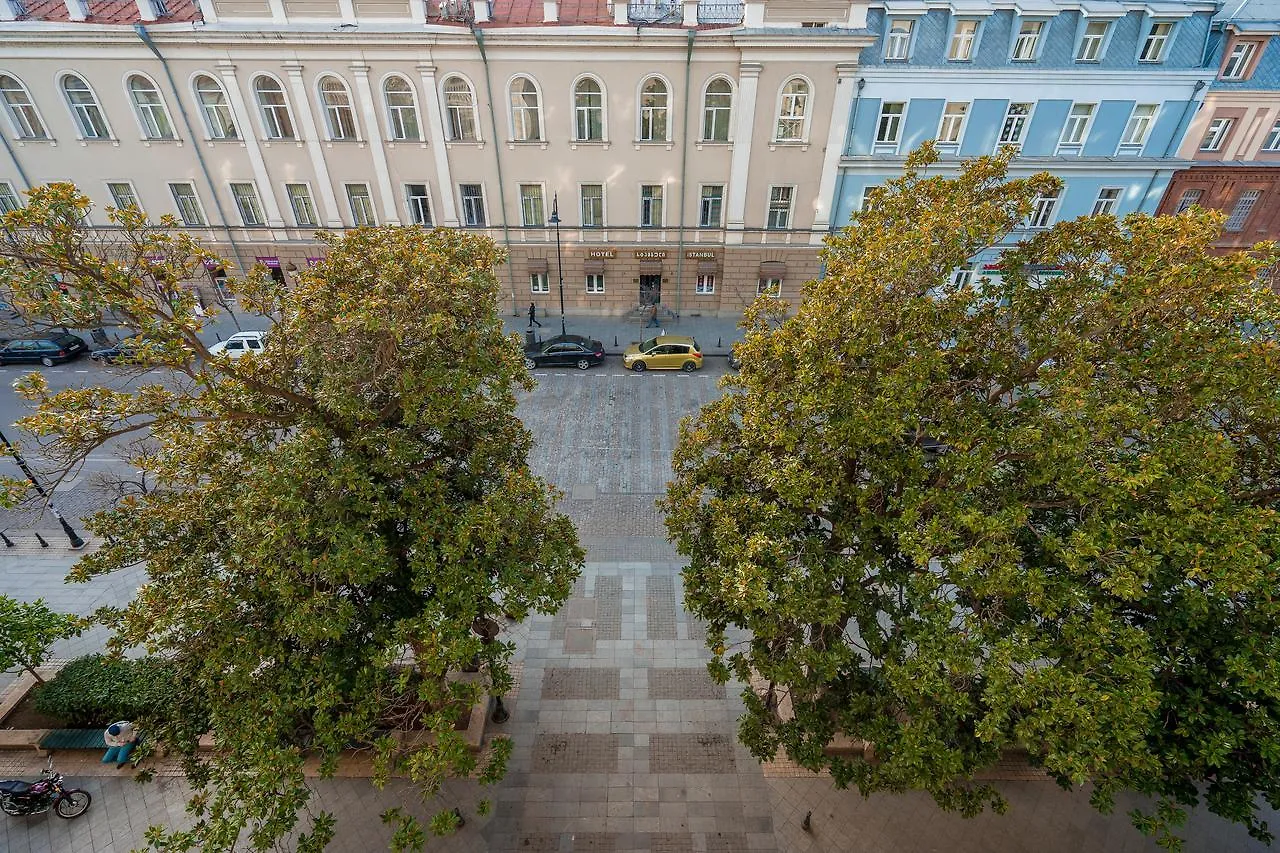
1033	510
27	629
334	522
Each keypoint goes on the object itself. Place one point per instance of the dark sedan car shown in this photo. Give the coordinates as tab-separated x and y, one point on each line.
50	350
563	351
122	351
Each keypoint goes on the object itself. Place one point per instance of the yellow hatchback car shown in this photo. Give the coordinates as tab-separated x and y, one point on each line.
665	352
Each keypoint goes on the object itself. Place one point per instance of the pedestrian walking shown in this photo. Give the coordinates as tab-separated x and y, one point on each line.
653	317
533	316
121	739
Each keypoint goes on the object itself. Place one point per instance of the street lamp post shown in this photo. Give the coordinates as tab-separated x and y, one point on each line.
555	220
76	541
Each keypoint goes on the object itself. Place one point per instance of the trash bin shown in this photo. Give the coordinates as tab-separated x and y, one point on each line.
529	339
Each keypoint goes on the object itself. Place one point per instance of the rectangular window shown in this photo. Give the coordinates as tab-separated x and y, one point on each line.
592	196
710	206
418	204
539	283
1108	198
1015	124
361	204
595	282
769	287
1042	211
898	42
779	217
1240	213
531	207
8	198
1216	134
304	212
123	196
952	123
160	8
866	196
1073	132
472	205
188	204
651	206
705	285
1024	47
1189	198
1157	40
961	276
1238	62
246	196
890	124
1139	124
1272	142
1090	49
961	48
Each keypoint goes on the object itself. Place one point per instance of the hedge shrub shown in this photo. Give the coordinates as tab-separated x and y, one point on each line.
95	691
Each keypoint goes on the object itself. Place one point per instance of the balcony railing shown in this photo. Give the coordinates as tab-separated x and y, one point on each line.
451	10
719	13
673	13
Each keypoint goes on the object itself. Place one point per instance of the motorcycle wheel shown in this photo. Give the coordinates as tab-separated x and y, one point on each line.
9	807
73	803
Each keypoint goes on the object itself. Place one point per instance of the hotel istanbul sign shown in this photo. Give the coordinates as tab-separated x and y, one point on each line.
650	254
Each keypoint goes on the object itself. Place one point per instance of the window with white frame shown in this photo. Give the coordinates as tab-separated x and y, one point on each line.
460	110
952	123
473	213
711	206
90	120
21	109
867	194
1138	127
1189	199
961	276
1238	60
1014	125
1157	40
1216	134
1240	212
339	118
304	211
150	107
418	204
780	203
526	118
1026	45
769	287
246	199
219	122
123	196
591	205
532	214
793	108
361	204
651	206
274	107
588	110
705	285
188	203
402	111
653	111
539	283
1108	198
717	107
889	126
963	34
1042	211
9	200
897	43
595	282
1091	41
1272	142
1077	124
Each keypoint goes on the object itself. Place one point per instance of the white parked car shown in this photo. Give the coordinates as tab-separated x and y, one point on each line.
239	344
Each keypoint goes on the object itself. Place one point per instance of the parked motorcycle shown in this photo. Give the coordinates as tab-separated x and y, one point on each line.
23	798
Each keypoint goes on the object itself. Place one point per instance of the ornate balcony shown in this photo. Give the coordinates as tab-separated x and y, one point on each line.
719	13
672	12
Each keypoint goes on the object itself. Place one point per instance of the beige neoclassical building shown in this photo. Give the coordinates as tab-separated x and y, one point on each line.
687	148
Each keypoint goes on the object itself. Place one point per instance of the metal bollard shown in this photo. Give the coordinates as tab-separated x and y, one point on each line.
43	544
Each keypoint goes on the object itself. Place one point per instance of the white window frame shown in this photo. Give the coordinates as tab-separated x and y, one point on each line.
1043	209
1098	42
409	204
1246	203
583	113
525	202
1011	120
335	125
198	208
793	109
115	200
311	204
484	205
396	128
371	213
961	46
702	206
662	206
769	287
953	120
594	283
1107	201
274	110
604	193
1138	126
897	42
1190	196
1272	142
256	202
25	118
525	110
1082	123
774	209
219	118
960	277
1161	42
153	119
1238	61
1026	45
539	282
455	115
705	284
9	198
649	115
706	111
895	121
81	114
866	196
1215	135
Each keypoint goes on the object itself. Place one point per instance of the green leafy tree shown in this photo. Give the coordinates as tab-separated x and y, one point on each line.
336	524
1032	511
27	630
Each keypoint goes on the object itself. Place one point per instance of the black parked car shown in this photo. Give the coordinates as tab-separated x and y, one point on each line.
563	350
122	351
50	350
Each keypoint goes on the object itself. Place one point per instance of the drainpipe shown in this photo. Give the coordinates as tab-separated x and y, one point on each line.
684	165
1173	140
13	155
191	134
497	158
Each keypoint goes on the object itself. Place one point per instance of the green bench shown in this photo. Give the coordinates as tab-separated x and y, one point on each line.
73	739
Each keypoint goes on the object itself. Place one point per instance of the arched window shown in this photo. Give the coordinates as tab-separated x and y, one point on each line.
717	108
218	119
276	122
21	109
151	112
653	111
793	111
84	106
460	104
338	116
588	111
402	112
526	124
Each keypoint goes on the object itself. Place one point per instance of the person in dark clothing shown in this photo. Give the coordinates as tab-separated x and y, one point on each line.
533	316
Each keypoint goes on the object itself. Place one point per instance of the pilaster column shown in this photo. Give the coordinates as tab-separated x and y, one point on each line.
390	215
825	203
740	163
249	135
311	134
447	211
